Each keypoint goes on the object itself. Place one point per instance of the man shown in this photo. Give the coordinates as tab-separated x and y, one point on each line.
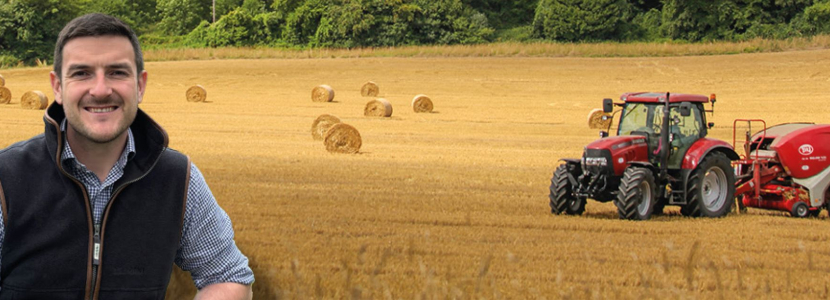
98	207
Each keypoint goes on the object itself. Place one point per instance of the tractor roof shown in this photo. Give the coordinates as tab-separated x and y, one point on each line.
655	97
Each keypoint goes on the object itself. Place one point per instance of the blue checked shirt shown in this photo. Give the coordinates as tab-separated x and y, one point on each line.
207	248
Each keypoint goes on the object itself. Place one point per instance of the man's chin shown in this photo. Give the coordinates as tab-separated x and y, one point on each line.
102	137
104	140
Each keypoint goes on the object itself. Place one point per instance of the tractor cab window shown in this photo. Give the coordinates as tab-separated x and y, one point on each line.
639	117
684	132
642	119
685	126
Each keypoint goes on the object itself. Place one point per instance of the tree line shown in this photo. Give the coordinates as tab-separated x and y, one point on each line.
29	28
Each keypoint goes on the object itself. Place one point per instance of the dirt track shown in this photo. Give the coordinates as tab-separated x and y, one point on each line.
454	203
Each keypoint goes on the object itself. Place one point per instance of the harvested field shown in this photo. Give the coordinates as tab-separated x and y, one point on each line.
453	204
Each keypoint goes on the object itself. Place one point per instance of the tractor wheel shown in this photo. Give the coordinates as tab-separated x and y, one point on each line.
800	210
561	196
711	188
636	199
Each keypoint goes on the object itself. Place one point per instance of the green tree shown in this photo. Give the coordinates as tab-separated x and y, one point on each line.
580	20
254	7
178	17
140	15
815	19
29	28
240	27
450	22
505	14
223	7
353	23
706	20
283	8
302	24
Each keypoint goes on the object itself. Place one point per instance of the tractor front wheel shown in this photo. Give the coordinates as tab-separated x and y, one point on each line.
711	188
562	199
636	199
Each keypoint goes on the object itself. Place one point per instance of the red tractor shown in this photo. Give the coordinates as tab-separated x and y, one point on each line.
785	167
660	156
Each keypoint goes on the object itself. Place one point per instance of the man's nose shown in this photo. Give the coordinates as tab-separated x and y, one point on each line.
101	86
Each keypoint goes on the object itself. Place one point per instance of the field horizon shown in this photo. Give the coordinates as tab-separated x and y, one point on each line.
453	204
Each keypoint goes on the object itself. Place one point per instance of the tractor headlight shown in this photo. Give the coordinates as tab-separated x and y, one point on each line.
596	161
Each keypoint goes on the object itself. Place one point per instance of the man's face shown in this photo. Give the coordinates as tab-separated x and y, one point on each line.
99	88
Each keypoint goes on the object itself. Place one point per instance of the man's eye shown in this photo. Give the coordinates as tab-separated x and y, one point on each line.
119	73
78	74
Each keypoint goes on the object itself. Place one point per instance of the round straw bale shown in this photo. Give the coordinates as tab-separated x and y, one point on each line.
421	103
34	100
598	119
2	81
196	93
322	93
369	89
5	95
378	108
342	138
321	125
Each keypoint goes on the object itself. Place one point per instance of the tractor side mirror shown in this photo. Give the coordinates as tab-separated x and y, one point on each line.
603	134
711	124
607	105
685	109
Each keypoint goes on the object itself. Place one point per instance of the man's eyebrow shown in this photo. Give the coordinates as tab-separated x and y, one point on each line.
73	67
119	66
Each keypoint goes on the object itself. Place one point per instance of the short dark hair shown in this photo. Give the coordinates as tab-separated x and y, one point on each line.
96	24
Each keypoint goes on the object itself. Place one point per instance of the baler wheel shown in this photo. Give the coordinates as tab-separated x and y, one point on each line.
561	195
711	188
800	210
636	199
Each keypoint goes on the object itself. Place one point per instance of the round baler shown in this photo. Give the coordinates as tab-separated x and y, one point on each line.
785	167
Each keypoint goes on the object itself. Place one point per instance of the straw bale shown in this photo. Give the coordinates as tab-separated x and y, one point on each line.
421	103
342	138
2	81
5	95
34	100
596	120
322	93
196	93
369	89
322	124
378	108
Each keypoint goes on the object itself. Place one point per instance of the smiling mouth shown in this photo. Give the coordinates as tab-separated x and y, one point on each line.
101	109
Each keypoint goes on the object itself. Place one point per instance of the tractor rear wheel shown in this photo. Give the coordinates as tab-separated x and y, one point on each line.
711	188
562	199
800	210
636	199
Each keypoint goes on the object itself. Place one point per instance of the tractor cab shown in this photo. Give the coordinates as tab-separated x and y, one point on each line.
643	114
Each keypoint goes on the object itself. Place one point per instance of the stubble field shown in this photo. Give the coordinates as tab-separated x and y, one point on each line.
453	204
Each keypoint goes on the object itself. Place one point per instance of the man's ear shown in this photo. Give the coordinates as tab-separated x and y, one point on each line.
56	86
142	84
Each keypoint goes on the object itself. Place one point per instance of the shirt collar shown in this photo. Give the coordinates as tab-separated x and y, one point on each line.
126	155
